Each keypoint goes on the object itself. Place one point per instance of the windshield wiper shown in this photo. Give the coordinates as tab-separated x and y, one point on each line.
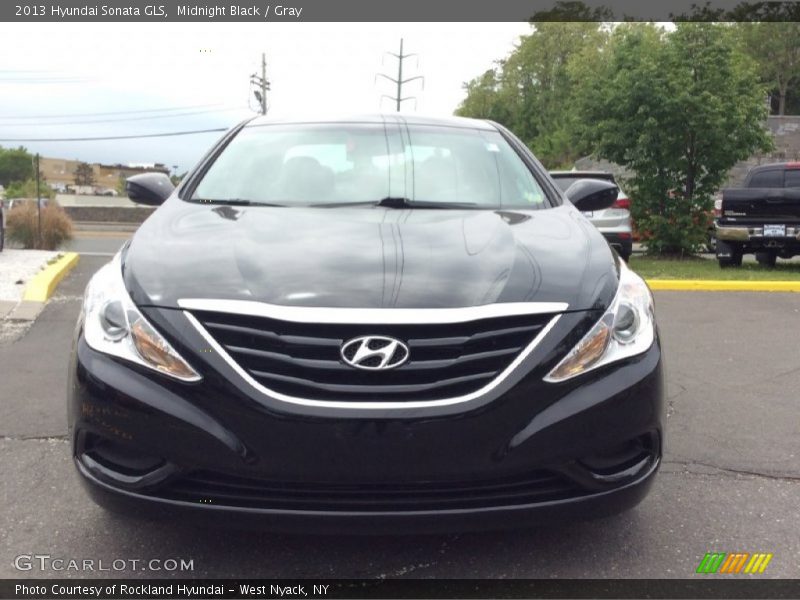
233	202
432	204
399	202
343	204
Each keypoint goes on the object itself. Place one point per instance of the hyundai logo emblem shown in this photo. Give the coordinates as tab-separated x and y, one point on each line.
374	352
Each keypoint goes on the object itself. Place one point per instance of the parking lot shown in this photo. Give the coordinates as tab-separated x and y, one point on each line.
730	481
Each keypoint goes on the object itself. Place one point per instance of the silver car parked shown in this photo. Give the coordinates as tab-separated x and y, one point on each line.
614	222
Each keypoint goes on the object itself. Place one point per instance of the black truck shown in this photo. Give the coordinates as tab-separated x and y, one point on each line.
761	217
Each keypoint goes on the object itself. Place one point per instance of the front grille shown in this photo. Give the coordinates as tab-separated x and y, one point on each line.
225	490
304	360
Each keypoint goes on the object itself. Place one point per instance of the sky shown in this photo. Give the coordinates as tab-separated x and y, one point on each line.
56	78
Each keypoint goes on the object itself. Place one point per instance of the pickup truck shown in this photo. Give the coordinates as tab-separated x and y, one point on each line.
761	217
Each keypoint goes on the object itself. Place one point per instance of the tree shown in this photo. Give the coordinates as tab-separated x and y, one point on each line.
484	99
176	179
121	186
793	98
775	47
530	90
27	189
679	110
84	174
742	12
573	10
15	165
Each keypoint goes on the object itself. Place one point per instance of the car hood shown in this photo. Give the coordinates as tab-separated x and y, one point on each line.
371	257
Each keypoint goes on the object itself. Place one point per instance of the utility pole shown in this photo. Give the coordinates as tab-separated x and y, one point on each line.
262	83
399	82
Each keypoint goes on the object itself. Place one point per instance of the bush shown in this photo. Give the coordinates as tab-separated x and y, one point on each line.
669	223
27	189
22	226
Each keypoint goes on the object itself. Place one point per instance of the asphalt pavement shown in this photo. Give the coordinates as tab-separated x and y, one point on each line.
730	481
93	241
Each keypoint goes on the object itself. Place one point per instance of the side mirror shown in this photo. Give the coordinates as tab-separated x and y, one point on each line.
592	194
149	188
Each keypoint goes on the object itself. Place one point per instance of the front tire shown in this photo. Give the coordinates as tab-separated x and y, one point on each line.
767	259
729	255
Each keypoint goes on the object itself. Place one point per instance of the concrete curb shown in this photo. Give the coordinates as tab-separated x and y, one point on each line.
721	285
44	283
27	310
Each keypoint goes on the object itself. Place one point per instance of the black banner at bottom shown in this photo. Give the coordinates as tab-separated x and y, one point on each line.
334	589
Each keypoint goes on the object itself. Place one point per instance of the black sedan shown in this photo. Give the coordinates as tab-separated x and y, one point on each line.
380	323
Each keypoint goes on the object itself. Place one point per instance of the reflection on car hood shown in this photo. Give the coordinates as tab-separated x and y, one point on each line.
368	257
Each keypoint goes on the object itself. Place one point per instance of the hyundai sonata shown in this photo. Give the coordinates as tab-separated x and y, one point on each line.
380	323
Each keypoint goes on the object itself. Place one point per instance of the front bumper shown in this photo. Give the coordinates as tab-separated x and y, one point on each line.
329	522
753	236
147	445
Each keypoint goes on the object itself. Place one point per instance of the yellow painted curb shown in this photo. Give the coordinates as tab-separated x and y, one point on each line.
44	283
721	285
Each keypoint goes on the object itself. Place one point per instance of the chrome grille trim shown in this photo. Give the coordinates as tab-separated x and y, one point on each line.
347	315
378	316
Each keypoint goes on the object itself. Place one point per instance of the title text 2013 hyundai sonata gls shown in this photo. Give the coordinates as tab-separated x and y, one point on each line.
380	323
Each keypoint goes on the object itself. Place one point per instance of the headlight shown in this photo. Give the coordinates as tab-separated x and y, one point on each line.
113	325
626	329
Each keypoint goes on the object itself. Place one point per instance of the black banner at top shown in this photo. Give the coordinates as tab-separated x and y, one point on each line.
407	10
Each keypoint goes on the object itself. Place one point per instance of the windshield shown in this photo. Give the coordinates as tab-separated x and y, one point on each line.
341	164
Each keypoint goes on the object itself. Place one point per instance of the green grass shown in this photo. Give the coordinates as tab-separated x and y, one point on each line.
704	268
55	259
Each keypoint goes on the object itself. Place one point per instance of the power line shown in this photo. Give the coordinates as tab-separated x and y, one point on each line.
115	137
46	81
118	119
119	112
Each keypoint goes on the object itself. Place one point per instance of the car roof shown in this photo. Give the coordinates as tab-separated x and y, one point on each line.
777	165
410	119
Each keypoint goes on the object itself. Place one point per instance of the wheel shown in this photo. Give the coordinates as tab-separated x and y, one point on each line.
729	255
767	259
626	256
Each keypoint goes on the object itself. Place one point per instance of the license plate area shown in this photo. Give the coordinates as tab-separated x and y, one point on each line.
774	230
